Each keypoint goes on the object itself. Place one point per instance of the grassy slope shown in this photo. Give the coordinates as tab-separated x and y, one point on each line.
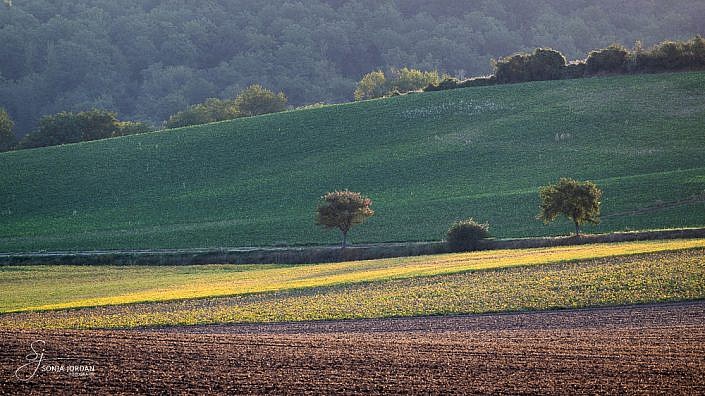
57	287
425	159
610	280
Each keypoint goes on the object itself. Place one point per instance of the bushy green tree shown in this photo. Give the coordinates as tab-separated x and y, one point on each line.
97	124
256	100
466	234
343	210
577	201
377	84
407	80
672	56
61	128
612	59
372	85
8	140
542	64
67	127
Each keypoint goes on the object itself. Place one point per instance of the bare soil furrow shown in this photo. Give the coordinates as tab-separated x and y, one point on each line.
654	349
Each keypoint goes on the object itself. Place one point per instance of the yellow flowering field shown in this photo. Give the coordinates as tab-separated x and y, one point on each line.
60	287
40	288
616	280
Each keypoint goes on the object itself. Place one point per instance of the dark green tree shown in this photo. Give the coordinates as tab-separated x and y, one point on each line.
577	201
256	100
466	234
542	64
8	140
343	210
53	130
67	127
97	124
612	59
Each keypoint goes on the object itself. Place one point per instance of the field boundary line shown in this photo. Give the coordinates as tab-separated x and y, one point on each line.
319	254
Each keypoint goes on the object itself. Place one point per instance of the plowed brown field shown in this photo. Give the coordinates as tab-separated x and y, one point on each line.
640	349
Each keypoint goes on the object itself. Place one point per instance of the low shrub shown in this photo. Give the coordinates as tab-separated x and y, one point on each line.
466	234
256	100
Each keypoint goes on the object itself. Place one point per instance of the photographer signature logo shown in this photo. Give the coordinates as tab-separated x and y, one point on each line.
39	362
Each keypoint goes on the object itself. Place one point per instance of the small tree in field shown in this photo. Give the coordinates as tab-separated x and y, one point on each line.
343	210
578	201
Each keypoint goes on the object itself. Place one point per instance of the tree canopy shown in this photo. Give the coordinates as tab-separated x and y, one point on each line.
376	84
343	210
577	201
68	127
147	60
372	85
256	100
466	234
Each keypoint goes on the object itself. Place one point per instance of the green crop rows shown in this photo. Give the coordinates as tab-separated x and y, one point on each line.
425	159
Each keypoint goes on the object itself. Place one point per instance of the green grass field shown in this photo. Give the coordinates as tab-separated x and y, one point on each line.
425	159
477	282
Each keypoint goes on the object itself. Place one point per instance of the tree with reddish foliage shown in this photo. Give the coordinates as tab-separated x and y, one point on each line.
343	210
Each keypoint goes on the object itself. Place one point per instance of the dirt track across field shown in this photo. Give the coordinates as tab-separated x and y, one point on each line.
640	349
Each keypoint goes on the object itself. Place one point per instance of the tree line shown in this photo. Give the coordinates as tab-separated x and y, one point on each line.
541	64
68	127
253	101
147	60
549	64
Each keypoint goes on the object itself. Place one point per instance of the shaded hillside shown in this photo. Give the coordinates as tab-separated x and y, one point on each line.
147	59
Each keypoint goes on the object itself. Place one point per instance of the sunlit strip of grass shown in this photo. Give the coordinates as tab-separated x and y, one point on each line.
61	287
644	278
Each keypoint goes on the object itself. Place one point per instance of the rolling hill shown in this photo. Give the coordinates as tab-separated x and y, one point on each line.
425	160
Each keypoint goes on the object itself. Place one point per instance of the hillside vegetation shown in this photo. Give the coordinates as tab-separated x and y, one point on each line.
425	160
148	59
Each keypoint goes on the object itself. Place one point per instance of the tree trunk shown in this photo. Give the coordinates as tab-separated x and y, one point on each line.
577	229
345	239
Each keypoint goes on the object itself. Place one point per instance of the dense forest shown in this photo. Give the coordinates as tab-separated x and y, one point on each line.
148	59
